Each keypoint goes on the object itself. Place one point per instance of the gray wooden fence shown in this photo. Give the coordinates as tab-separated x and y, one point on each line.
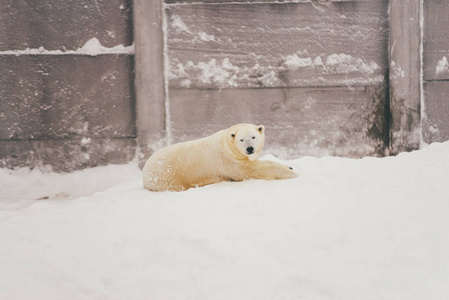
60	106
350	78
435	110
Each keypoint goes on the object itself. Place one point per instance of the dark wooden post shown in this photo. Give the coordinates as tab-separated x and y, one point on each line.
405	75
150	79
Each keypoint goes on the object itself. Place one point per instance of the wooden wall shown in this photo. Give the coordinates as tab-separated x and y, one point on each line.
67	110
314	73
435	125
335	77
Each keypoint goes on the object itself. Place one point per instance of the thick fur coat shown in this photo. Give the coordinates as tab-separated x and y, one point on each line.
228	155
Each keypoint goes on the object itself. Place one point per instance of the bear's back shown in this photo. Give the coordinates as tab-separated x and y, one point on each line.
183	165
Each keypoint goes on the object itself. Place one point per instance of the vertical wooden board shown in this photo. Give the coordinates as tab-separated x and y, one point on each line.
299	121
405	75
277	44
435	124
66	96
64	25
66	155
150	77
436	40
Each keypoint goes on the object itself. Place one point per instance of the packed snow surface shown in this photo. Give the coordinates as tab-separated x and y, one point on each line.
372	228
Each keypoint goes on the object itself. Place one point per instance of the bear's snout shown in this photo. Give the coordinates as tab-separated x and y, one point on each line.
250	150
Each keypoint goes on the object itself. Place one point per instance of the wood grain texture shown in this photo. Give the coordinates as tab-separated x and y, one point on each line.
315	2
66	96
150	78
299	121
62	24
405	75
66	155
277	44
436	112
436	40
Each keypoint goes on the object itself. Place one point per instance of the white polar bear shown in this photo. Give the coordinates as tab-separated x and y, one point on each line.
228	155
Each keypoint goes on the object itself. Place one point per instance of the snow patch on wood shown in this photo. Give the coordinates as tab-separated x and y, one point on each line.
295	62
396	72
92	47
225	73
344	64
206	37
442	66
179	26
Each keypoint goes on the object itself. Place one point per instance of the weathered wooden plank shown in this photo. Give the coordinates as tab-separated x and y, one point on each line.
316	2
150	77
66	155
436	40
277	45
61	24
435	124
405	75
66	96
300	121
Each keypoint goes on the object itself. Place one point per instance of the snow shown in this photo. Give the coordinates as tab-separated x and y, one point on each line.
206	37
179	26
345	63
92	47
225	74
396	72
372	228
340	63
442	66
20	185
294	62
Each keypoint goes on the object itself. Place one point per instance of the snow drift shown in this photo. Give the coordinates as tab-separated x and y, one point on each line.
344	229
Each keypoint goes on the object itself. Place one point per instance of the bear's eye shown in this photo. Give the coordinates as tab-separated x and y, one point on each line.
241	140
253	137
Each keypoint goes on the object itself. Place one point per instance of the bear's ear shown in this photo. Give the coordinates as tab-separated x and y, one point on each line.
261	128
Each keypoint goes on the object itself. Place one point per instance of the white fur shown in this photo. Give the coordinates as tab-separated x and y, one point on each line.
222	156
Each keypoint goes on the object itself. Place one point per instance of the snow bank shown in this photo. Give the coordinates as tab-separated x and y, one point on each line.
27	184
92	47
345	229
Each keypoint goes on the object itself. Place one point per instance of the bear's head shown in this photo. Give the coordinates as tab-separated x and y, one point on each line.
247	139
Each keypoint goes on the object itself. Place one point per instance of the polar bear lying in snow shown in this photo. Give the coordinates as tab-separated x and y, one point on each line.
228	155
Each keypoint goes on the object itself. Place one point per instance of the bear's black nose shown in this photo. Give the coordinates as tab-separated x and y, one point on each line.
250	150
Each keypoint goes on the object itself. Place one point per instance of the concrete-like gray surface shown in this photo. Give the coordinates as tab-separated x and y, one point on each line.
69	111
64	24
48	96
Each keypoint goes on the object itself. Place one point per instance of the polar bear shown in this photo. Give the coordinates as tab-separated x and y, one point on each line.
228	155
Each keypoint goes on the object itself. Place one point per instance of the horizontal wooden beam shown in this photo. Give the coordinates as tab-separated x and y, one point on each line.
318	2
66	155
341	121
61	96
277	45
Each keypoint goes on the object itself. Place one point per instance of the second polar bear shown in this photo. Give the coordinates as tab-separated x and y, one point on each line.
228	155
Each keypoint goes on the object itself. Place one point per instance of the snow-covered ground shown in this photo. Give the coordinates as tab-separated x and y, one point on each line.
344	229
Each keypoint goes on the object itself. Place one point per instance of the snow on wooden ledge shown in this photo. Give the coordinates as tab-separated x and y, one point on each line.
92	47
